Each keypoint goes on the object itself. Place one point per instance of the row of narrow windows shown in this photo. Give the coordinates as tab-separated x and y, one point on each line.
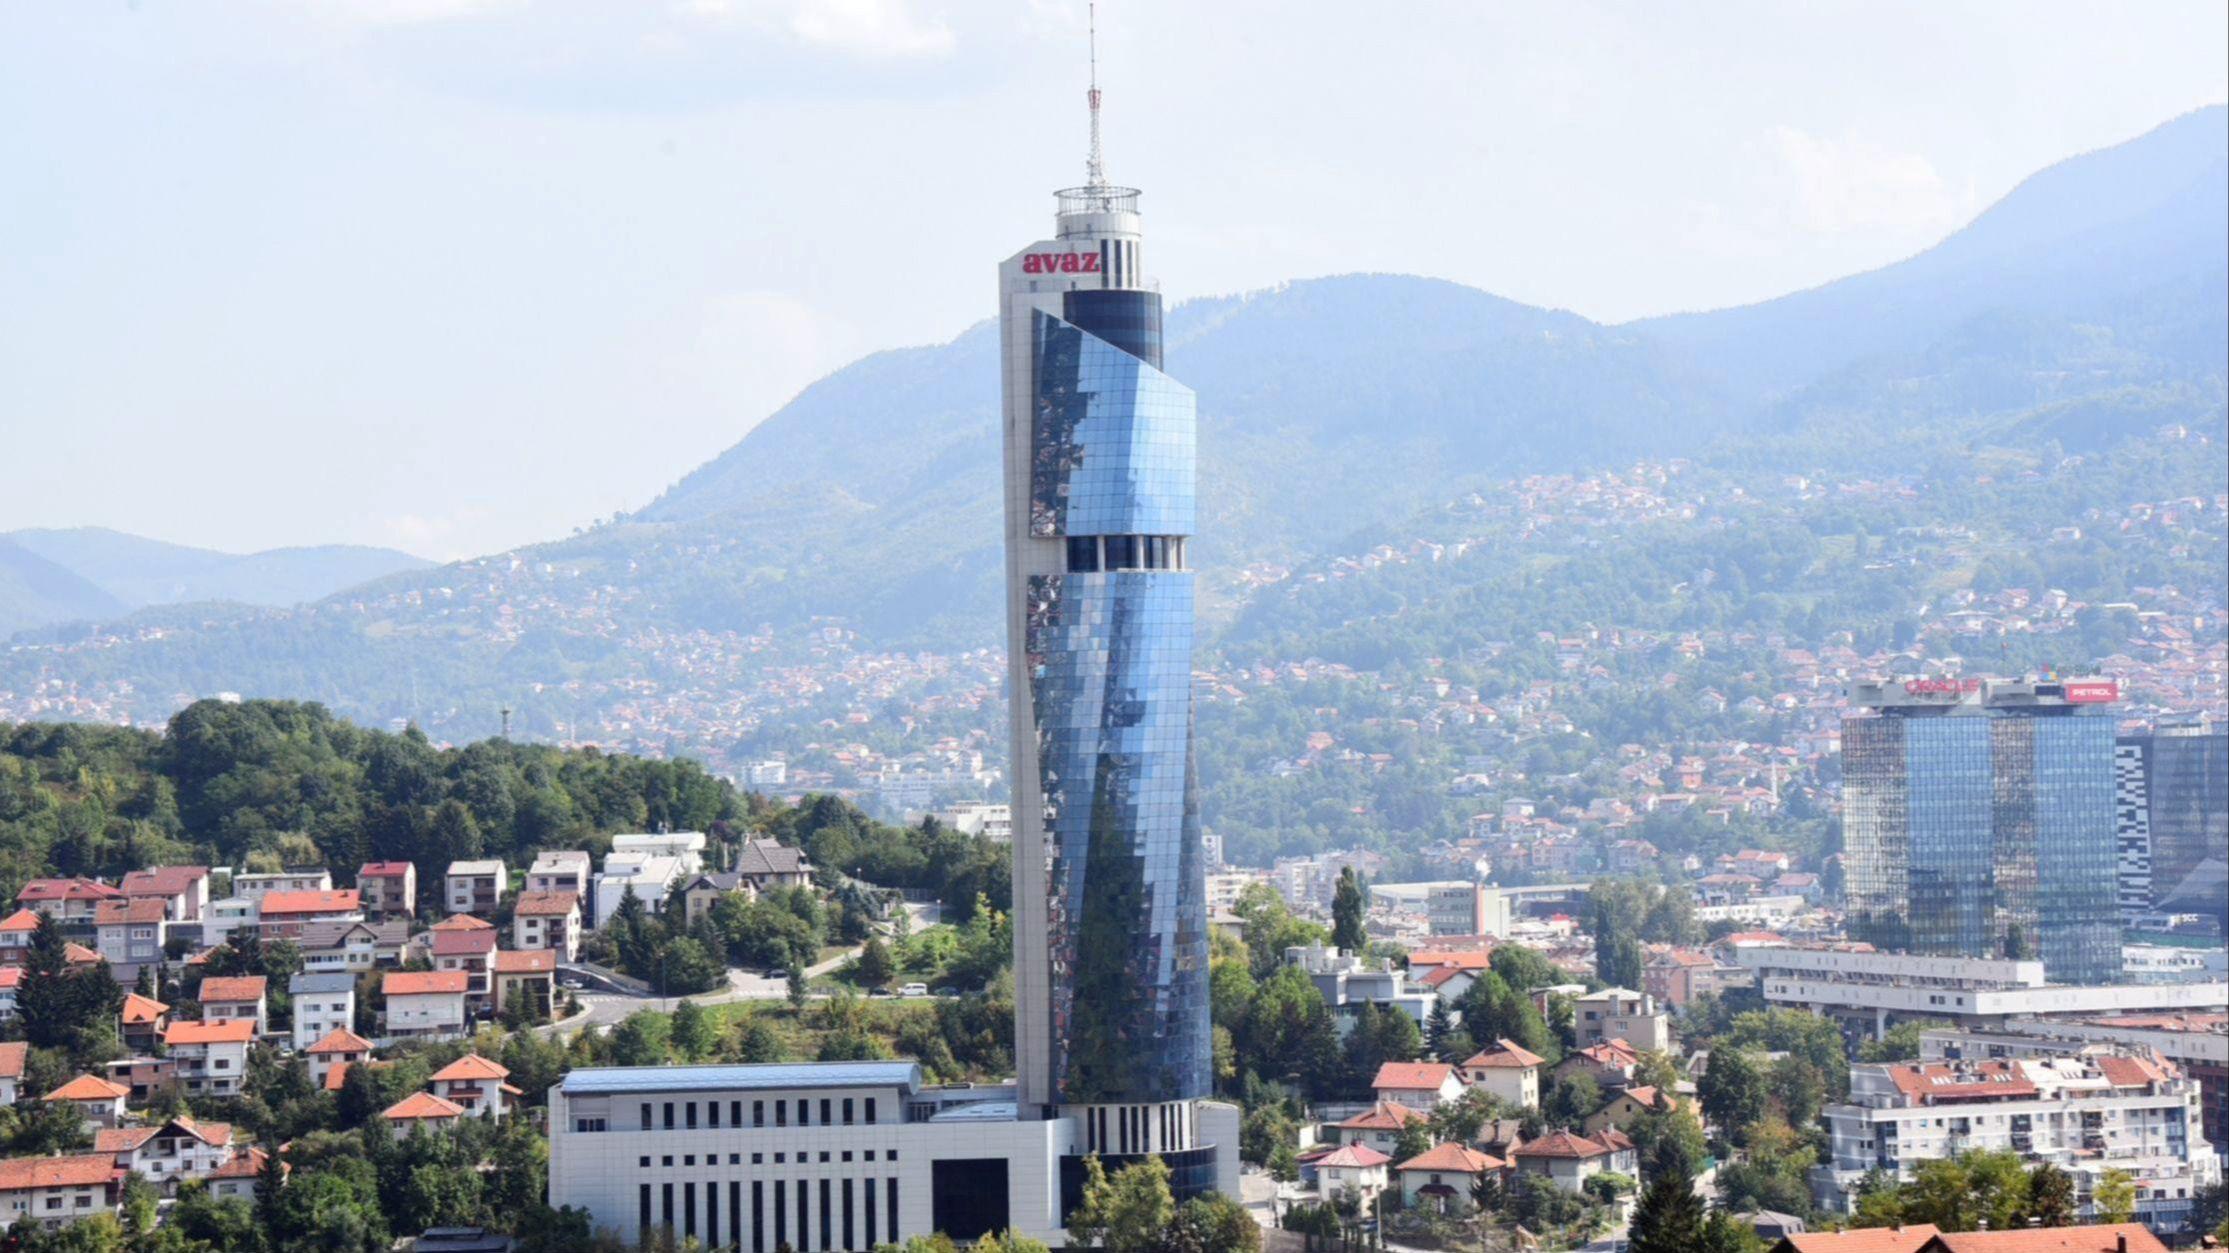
845	1217
1126	1129
1093	554
662	1115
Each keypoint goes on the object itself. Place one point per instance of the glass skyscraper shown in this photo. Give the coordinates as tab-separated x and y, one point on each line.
1110	903
2173	821
1983	826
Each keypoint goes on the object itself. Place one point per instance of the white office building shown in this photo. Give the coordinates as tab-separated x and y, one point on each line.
834	1155
2086	1114
687	847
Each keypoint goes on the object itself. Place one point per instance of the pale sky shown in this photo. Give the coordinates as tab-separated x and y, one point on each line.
454	275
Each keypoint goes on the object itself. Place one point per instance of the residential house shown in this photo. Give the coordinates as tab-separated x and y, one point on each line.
701	892
12	1056
292	879
426	1003
1349	983
68	902
2102	1238
169	1153
228	917
475	1085
1618	1014
212	1057
421	1109
559	870
1676	975
648	876
475	887
473	954
770	864
183	890
224	998
98	1100
15	936
352	947
1379	1126
129	934
389	889
323	1003
1571	1159
1611	1064
685	847
339	1049
241	1176
529	974
1440	1178
1421	1086
57	1191
1355	1168
285	915
140	1023
145	1075
1625	1107
1507	1070
547	918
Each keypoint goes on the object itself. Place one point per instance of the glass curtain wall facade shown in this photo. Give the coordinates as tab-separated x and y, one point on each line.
1110	891
1985	835
2184	791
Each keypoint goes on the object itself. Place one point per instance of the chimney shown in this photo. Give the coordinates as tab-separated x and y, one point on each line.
2120	1243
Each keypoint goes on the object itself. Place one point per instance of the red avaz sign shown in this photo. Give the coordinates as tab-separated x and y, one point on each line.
1060	263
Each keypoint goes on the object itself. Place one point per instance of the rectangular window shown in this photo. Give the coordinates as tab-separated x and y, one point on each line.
1122	552
868	1191
665	1204
804	1225
847	1111
758	1113
781	1114
847	1214
642	1207
712	1215
688	1210
691	1109
1083	554
870	1111
735	1113
669	1115
712	1114
804	1113
781	1213
825	1225
825	1110
735	1213
892	1199
758	1216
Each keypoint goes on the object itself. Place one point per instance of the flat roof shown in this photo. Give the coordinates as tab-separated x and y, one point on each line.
980	1111
619	1080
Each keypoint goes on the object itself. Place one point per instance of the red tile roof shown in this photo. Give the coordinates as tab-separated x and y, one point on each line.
1864	1240
247	1165
161	881
1412	1076
1452	1158
2107	1238
421	982
470	1068
1559	1144
229	1031
140	1010
18	1174
538	961
1361	1155
21	920
463	943
1383	1116
11	1059
2133	1072
340	1040
461	922
1470	959
124	912
66	890
334	901
1929	1082
382	869
88	1088
1505	1053
78	955
422	1105
556	904
232	989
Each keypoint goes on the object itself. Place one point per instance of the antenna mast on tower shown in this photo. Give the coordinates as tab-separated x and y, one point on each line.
1095	170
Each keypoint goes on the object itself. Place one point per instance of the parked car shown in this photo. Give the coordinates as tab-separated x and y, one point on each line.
914	989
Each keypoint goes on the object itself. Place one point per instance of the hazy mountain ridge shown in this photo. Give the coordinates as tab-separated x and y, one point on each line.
133	572
1331	410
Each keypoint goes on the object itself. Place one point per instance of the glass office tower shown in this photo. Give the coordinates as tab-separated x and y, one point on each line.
1109	874
1984	827
2173	822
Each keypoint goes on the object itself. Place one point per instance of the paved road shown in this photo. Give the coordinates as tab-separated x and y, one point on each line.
609	1004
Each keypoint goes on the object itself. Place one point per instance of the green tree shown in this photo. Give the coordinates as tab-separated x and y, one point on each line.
695	1034
1139	1207
875	969
1214	1224
1347	906
1731	1090
2114	1197
2051	1196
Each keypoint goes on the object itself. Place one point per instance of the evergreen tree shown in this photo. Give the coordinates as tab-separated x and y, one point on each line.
876	969
1347	906
1437	1027
268	1181
2051	1196
1670	1216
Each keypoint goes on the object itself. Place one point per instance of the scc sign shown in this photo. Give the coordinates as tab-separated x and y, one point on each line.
1060	263
1940	687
